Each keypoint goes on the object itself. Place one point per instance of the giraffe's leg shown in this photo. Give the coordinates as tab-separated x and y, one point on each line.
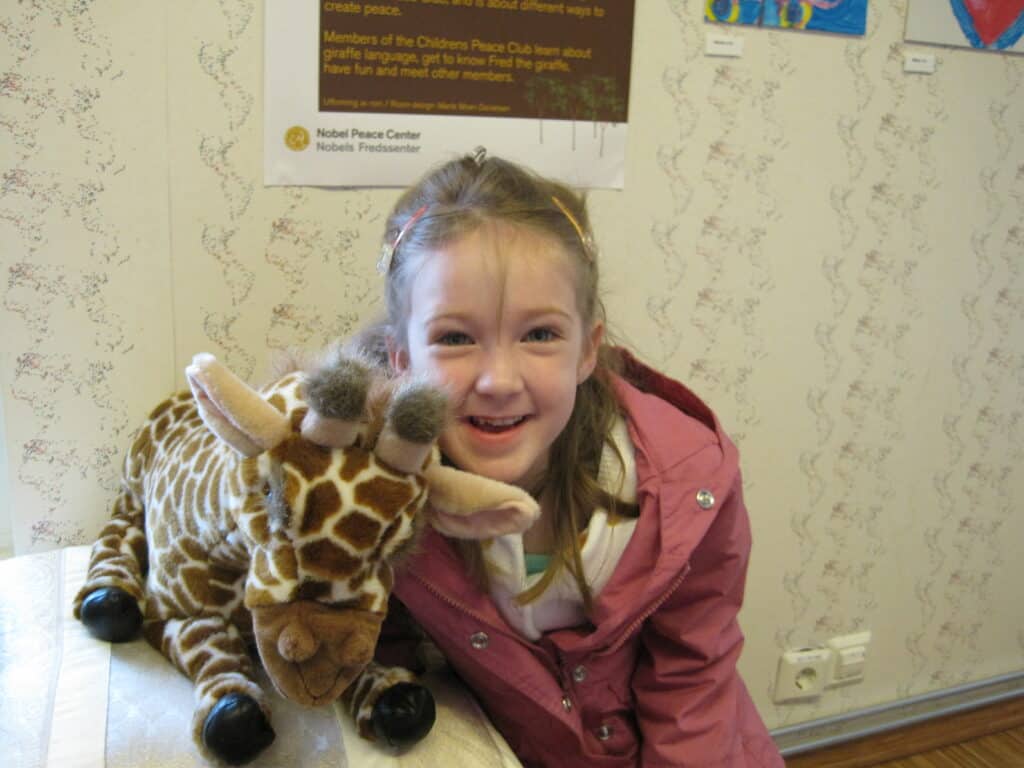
109	603
232	718
387	704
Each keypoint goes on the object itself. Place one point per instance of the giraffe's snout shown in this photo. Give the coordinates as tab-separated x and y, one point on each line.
311	651
296	643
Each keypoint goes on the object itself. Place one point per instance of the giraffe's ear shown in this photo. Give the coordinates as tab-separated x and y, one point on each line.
468	506
233	410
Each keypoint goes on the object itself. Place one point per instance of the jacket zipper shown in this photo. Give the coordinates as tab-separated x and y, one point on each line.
635	624
451	601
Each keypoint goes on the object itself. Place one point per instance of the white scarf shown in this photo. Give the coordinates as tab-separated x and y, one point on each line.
561	604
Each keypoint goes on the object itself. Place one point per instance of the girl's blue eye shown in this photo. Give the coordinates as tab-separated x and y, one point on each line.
540	334
453	339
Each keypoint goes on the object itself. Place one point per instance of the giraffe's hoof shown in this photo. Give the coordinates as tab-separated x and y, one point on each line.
111	614
403	714
236	729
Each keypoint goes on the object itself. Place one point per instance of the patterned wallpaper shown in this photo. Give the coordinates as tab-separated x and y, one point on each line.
827	249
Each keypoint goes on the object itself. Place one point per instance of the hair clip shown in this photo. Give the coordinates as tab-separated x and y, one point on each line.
387	251
585	239
479	155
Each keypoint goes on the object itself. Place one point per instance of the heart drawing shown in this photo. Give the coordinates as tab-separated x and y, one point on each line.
990	23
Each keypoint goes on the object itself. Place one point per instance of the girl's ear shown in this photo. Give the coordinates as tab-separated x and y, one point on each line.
397	356
588	356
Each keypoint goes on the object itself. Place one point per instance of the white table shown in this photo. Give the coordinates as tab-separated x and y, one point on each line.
70	701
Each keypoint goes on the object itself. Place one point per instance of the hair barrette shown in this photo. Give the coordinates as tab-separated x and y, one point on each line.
586	240
387	251
479	155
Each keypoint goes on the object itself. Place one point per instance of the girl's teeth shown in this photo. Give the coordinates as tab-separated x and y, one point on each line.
495	423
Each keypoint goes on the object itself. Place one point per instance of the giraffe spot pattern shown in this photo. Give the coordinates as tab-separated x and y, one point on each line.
358	529
143	446
257	528
161	487
181	596
327	560
159	537
322	502
389	534
175	435
160	428
358	580
189	451
220	595
261	569
250	470
309	459
197	584
386	576
296	418
192	549
385	496
159	411
314	590
285	563
256	596
177	491
356	461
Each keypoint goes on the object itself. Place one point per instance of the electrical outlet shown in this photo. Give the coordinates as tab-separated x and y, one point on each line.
850	654
802	674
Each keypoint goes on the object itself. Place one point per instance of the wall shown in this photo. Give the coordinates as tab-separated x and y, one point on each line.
825	248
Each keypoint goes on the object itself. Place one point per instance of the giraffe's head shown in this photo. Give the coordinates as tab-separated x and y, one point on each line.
335	467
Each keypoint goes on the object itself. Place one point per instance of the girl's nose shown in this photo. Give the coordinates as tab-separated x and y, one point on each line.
500	375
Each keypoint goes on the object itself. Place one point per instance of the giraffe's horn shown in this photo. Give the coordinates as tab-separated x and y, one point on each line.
232	409
415	417
328	432
337	395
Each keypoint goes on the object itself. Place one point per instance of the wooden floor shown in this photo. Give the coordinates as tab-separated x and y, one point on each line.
988	737
998	750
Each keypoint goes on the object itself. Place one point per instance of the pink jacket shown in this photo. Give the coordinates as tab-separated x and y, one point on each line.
653	682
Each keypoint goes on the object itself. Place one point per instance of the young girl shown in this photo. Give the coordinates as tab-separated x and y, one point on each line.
606	635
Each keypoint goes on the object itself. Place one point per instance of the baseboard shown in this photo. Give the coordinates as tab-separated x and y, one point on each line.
909	726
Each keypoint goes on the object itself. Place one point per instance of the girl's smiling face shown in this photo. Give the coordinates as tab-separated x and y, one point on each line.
493	318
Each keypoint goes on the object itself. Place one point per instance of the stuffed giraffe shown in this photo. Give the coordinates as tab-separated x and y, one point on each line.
277	516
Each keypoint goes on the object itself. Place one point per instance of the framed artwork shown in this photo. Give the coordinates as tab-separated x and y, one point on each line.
996	25
847	17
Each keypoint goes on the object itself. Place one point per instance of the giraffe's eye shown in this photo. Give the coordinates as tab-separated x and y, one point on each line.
276	505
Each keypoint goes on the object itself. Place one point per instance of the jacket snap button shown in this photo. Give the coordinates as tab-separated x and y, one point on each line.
604	733
567	703
479	640
705	499
579	674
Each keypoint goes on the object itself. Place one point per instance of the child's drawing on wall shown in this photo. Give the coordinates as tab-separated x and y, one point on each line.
733	11
990	24
847	17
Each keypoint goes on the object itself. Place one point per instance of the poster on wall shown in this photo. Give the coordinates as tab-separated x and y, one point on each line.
375	93
847	17
996	25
